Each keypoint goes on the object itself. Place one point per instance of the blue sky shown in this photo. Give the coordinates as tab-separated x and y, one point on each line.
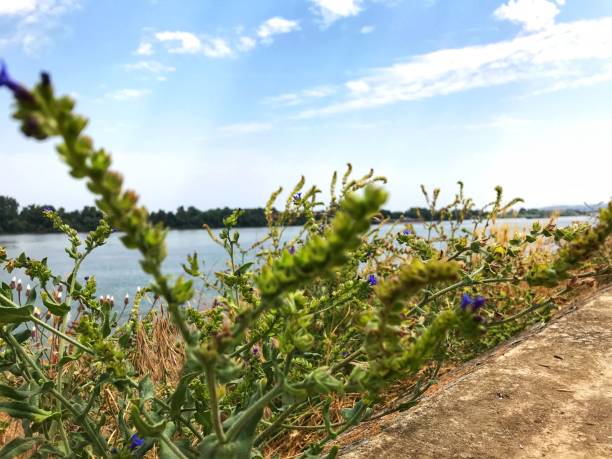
213	103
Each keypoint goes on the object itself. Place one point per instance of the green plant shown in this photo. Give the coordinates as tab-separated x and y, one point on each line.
340	309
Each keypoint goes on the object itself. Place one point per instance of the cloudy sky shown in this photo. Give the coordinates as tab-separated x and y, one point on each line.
213	103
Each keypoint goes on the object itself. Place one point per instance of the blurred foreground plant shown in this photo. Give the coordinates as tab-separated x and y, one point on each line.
297	324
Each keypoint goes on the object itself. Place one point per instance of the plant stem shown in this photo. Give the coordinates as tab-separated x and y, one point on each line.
170	444
215	415
50	328
27	359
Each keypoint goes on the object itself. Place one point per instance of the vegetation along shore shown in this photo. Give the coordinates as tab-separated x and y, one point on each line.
15	219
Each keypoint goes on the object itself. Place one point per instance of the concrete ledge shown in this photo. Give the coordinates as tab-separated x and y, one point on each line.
550	396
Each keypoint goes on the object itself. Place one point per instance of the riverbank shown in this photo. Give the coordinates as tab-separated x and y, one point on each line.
546	393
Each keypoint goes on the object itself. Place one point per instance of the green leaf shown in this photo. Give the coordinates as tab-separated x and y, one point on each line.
16	447
10	315
240	271
54	307
180	393
23	335
146	389
145	428
23	410
70	358
14	394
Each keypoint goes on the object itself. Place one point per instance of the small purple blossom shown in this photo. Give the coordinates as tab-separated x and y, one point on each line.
255	351
17	89
297	197
475	303
47	209
372	280
479	301
135	441
292	250
406	232
466	300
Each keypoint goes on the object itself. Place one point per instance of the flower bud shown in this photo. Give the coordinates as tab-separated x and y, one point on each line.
28	291
19	286
101	300
36	313
13	282
112	301
126	300
48	315
60	288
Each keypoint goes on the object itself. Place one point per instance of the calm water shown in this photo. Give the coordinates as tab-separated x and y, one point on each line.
118	272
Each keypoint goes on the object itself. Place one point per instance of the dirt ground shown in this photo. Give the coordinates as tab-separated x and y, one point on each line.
547	393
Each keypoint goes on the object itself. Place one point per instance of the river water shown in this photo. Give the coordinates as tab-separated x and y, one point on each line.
118	272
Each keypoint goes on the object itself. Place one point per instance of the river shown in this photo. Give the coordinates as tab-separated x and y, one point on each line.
118	272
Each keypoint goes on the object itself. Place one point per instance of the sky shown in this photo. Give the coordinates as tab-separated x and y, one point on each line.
216	103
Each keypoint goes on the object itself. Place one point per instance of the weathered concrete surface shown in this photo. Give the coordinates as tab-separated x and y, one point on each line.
548	394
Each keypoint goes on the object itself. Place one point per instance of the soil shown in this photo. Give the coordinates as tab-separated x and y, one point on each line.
545	394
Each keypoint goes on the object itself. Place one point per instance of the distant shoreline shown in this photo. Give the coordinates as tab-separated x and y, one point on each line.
396	221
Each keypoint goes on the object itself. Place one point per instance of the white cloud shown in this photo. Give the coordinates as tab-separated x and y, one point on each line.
366	29
301	97
17	7
579	82
560	51
145	49
332	10
127	94
246	44
32	22
152	67
244	128
501	122
216	47
189	43
532	15
275	26
357	86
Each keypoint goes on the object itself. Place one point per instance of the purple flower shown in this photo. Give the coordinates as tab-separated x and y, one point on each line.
255	351
135	441
466	300
479	301
297	197
407	232
18	90
292	250
475	303
372	280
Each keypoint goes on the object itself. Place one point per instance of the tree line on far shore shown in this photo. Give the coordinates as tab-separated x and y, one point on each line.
29	219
